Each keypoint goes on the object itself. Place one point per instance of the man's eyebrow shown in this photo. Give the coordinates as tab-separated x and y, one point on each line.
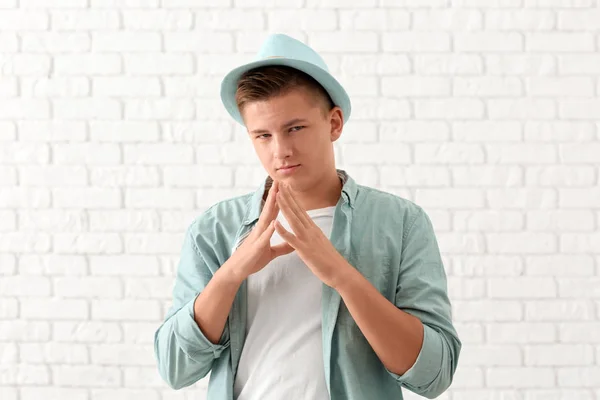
289	123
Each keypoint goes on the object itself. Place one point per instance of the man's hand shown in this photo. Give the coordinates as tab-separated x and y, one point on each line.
313	247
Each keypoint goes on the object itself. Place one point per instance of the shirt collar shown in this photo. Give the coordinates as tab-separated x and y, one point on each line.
256	202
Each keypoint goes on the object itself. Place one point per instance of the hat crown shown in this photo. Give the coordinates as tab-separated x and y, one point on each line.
279	45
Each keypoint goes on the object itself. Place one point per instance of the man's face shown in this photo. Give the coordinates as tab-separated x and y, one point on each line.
291	129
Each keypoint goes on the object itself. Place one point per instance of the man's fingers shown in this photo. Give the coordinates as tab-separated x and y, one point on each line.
282	249
270	208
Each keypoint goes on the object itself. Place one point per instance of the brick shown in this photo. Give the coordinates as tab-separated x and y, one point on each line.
86	332
82	287
521	243
125	310
127	86
198	41
24	331
451	108
51	131
415	41
54	175
521	287
487	86
578	377
125	394
159	64
149	288
560	176
152	109
487	310
490	176
367	153
130	176
148	243
55	42
53	220
159	198
198	177
52	265
450	198
488	42
52	393
90	243
9	308
24	19
90	108
558	310
579	154
86	198
560	220
25	242
580	242
88	20
123	265
87	64
157	20
54	308
579	332
24	108
521	20
307	19
25	286
578	197
491	356
446	64
553	265
125	41
124	221
562	131
416	176
23	374
414	86
522	153
578	64
346	42
451	20
85	376
123	354
520	64
487	265
559	42
560	86
127	3
524	108
519	198
53	353
485	221
520	377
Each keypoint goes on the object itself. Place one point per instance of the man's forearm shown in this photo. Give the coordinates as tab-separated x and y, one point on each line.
213	304
395	336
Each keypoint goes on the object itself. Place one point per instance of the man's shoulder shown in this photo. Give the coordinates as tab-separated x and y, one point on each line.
225	214
372	199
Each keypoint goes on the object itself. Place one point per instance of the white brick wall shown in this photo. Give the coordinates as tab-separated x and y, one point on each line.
113	137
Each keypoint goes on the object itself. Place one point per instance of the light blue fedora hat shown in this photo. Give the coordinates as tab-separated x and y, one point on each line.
280	49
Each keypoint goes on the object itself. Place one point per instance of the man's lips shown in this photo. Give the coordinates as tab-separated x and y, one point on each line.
291	166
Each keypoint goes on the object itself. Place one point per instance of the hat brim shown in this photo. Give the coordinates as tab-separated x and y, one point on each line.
332	86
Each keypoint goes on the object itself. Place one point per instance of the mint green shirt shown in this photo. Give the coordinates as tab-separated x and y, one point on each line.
390	240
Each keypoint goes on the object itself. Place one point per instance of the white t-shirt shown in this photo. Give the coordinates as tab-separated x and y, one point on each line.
282	357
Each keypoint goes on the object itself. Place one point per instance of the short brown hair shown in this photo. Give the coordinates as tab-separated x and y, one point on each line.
263	83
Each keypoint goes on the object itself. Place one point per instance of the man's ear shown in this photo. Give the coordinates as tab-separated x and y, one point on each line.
336	121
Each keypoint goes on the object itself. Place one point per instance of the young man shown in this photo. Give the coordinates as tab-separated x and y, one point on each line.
313	286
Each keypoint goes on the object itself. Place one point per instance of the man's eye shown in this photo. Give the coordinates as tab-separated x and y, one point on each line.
299	126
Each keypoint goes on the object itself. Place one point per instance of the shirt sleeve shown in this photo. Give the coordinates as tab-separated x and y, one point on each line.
183	353
422	291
